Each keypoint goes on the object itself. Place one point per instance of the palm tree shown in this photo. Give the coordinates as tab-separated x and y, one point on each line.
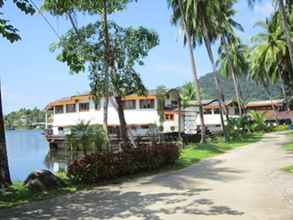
270	55
206	29
285	7
187	93
233	63
180	15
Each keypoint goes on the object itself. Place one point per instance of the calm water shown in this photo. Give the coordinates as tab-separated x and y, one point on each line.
29	151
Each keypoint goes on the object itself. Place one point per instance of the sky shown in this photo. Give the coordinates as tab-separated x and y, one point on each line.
31	76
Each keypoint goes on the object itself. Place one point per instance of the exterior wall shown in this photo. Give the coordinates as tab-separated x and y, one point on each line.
133	117
137	117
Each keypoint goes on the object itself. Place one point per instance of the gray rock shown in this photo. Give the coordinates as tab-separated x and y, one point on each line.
43	180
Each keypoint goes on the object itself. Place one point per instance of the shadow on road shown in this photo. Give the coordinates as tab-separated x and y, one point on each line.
105	204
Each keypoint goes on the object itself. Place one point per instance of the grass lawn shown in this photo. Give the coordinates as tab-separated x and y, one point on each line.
288	169
19	194
288	147
195	152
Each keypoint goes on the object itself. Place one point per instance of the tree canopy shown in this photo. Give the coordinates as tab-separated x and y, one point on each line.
7	30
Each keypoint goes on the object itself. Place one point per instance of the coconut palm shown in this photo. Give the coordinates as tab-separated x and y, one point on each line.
187	93
270	55
233	63
284	8
206	28
182	18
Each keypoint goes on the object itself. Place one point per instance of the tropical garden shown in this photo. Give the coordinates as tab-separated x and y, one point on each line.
110	54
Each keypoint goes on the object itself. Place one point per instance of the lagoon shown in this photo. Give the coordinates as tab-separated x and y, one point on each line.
28	150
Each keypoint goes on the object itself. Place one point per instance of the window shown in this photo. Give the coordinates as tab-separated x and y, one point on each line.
129	104
84	107
208	111
216	111
59	109
147	104
70	108
97	104
169	116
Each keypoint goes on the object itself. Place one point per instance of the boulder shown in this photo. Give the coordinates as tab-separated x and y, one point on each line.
43	180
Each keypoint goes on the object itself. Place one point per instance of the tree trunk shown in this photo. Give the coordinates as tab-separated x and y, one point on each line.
123	125
285	21
194	75
5	179
232	73
236	90
222	106
272	104
284	93
107	51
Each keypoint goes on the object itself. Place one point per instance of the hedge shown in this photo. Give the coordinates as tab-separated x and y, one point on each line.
99	167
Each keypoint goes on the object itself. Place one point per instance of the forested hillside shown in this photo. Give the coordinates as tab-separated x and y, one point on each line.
24	118
250	90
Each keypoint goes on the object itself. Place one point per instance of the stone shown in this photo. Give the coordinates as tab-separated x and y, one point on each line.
43	180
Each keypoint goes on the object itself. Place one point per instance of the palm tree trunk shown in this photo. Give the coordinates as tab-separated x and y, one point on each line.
285	21
223	107
5	179
272	104
236	87
235	81
194	75
284	93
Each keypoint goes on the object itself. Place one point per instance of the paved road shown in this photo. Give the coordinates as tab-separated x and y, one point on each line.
244	184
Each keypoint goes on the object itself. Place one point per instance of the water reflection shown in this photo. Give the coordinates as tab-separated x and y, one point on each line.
58	160
29	151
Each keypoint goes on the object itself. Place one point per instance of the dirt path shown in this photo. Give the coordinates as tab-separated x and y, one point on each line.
244	184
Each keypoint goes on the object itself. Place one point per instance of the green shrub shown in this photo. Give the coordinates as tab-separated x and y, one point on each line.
258	121
238	127
103	166
280	128
85	137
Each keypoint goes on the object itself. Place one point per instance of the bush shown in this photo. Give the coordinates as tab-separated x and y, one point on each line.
86	137
280	128
103	166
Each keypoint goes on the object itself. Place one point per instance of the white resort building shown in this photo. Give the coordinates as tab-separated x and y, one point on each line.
141	113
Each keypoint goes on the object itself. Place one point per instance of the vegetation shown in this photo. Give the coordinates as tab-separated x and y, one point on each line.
250	90
17	193
193	153
288	169
98	167
288	147
25	119
110	51
86	137
180	17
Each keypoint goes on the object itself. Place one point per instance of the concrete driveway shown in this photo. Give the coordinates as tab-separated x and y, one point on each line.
243	184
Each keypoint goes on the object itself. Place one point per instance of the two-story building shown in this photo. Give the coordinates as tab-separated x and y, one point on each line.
141	113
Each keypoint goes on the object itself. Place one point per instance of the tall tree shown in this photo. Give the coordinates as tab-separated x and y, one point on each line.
233	63
270	55
206	28
179	16
109	36
284	7
10	33
129	47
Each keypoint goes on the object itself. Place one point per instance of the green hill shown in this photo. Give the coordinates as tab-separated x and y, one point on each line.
249	89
